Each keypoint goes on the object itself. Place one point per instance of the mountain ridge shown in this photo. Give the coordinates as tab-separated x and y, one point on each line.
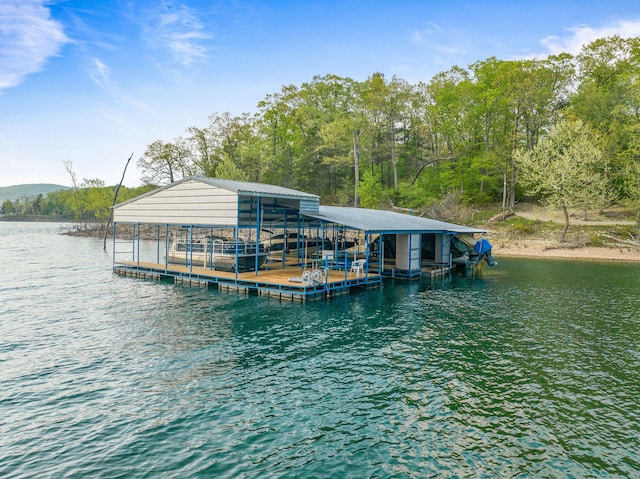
28	190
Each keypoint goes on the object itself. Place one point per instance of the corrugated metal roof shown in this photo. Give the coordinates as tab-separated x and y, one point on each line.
246	187
382	221
240	187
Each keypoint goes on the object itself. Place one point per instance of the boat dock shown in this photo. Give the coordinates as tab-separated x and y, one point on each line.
272	241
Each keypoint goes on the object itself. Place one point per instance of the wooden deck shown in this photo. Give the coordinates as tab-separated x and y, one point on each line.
278	282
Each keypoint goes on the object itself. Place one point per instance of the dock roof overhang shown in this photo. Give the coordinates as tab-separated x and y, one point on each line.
386	222
213	201
244	188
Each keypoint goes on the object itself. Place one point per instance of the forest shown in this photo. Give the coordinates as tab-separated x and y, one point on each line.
563	130
387	141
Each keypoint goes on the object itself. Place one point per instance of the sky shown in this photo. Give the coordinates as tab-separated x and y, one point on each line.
93	81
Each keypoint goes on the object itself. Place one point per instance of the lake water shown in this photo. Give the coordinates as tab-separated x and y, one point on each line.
532	370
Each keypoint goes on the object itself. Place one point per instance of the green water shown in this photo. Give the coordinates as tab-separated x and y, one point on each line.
532	370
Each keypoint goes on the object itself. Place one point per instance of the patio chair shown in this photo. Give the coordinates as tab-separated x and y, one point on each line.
358	267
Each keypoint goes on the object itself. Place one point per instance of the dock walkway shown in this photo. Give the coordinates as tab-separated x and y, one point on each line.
280	283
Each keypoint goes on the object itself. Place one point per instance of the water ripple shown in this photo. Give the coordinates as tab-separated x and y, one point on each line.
533	371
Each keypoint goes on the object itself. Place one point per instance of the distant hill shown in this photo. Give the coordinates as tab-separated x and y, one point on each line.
16	192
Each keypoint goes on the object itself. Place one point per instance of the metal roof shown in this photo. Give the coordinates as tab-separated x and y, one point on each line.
240	187
382	221
255	189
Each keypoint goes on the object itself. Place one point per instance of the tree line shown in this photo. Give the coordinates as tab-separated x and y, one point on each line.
86	205
565	129
386	141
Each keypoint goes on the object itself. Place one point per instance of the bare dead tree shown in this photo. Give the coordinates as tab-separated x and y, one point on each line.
79	210
115	199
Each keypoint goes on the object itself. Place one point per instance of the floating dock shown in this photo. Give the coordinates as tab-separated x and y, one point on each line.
301	250
283	283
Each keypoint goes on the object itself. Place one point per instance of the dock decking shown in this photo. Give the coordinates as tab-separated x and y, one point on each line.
280	283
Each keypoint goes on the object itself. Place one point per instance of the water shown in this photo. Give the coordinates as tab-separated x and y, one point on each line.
532	370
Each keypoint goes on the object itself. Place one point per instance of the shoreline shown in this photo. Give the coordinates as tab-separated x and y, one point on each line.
533	248
546	249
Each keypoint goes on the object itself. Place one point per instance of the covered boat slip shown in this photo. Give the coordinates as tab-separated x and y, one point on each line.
302	274
277	241
403	245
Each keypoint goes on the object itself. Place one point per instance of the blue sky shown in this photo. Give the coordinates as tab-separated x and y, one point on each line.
92	81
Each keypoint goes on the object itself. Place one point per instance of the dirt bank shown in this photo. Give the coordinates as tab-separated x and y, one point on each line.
543	242
549	249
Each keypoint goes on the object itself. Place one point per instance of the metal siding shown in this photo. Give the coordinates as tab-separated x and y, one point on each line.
310	206
446	249
188	202
206	201
408	252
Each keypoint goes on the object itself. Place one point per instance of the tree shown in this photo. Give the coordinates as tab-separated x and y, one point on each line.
201	145
387	105
164	162
97	199
227	169
280	137
78	206
632	184
371	195
445	134
608	99
7	208
457	132
565	169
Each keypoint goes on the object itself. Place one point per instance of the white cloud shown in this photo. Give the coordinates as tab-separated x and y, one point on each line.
583	35
28	38
421	36
178	29
99	73
445	44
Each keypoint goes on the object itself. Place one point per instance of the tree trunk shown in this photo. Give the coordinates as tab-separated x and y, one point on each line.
512	166
115	199
504	195
170	172
566	224
394	160
356	169
512	187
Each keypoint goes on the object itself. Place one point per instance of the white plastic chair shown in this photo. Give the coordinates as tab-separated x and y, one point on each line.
357	267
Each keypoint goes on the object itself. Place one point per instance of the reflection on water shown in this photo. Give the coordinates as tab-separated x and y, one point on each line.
528	371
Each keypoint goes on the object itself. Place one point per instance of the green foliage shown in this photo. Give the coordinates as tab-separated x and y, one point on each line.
631	180
596	240
371	194
566	169
228	170
520	226
7	208
465	131
460	131
89	205
410	195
